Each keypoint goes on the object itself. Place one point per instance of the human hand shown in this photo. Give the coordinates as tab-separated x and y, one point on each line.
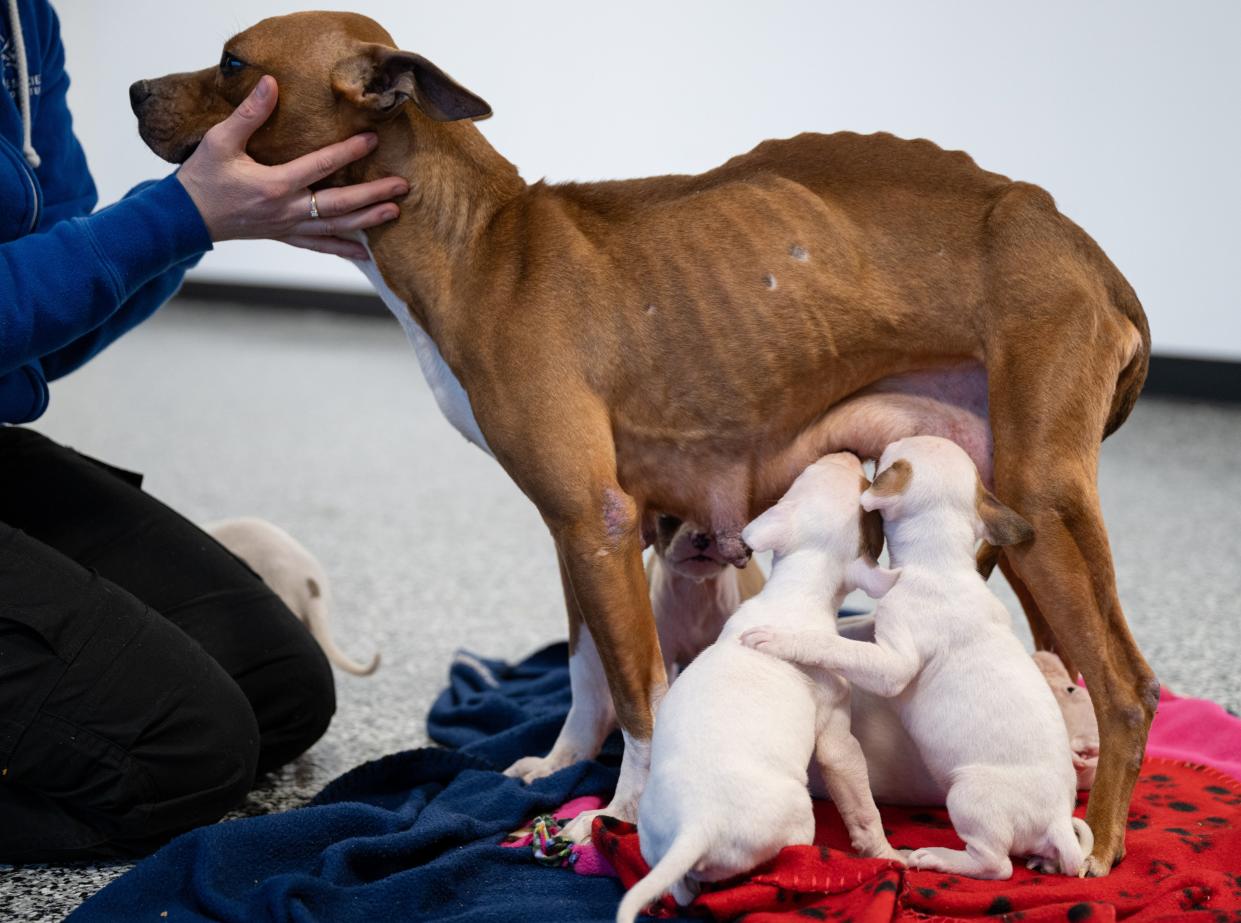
240	198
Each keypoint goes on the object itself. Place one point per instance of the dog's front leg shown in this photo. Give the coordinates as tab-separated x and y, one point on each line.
603	558
591	717
566	463
873	666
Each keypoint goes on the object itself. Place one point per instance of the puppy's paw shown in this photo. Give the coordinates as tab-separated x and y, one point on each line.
926	859
578	829
758	638
778	642
893	855
1042	865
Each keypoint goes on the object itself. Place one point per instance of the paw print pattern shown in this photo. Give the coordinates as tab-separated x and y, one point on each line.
1138	820
1198	842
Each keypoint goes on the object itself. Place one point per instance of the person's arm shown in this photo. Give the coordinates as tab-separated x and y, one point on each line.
64	283
67	292
81	279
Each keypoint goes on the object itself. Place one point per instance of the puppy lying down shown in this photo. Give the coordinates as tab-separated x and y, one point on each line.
292	573
737	730
983	718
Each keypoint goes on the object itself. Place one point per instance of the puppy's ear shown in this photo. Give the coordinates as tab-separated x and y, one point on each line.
380	80
872	535
771	531
1000	525
870	578
888	485
987	557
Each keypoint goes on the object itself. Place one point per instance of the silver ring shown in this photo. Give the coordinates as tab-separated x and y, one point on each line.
314	206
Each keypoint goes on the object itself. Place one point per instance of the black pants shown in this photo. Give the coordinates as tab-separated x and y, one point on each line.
146	675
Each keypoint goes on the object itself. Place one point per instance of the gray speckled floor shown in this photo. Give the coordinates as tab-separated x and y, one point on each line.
323	424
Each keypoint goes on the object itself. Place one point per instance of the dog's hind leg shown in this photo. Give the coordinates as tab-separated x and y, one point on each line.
844	772
1044	637
1066	349
978	809
971	862
590	717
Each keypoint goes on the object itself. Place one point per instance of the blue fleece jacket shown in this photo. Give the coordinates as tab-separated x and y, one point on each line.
71	281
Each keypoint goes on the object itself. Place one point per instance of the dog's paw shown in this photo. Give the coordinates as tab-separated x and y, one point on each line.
1094	867
578	829
530	768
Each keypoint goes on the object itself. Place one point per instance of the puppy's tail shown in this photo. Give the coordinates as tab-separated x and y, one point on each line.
1072	843
317	622
676	863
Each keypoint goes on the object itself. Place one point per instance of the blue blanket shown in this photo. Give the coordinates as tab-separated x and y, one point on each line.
412	836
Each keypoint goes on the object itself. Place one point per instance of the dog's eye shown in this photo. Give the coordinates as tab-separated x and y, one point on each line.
230	64
1070	689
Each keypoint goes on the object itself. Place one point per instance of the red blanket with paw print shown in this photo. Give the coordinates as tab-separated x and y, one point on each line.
1183	863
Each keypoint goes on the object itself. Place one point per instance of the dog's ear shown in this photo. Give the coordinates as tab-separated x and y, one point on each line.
869	577
381	79
889	484
999	524
872	534
770	531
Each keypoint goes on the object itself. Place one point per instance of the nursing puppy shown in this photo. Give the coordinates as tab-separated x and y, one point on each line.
737	730
983	718
292	573
1079	717
694	590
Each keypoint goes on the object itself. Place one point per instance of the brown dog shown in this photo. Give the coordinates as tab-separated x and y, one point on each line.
672	345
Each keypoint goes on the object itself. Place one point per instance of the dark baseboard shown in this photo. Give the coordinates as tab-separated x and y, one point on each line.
1170	376
273	296
1197	379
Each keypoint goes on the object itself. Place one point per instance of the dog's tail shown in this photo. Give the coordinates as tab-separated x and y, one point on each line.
1072	843
676	863
317	622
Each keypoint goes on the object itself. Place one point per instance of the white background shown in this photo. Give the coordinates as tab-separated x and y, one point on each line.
1128	112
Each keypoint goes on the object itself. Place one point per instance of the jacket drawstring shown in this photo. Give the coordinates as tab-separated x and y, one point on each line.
23	86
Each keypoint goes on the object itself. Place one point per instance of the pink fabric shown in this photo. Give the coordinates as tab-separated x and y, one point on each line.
587	860
1196	731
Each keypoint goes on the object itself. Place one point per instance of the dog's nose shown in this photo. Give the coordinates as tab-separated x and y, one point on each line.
138	93
700	540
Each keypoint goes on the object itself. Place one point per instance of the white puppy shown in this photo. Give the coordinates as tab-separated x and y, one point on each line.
1079	717
292	573
983	718
737	730
897	773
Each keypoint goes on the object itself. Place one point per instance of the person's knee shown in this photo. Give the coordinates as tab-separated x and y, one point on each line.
316	694
298	702
203	766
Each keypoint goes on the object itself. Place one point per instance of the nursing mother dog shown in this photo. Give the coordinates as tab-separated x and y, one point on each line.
670	345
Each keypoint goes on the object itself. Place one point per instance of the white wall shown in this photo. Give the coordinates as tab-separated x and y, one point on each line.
1127	111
